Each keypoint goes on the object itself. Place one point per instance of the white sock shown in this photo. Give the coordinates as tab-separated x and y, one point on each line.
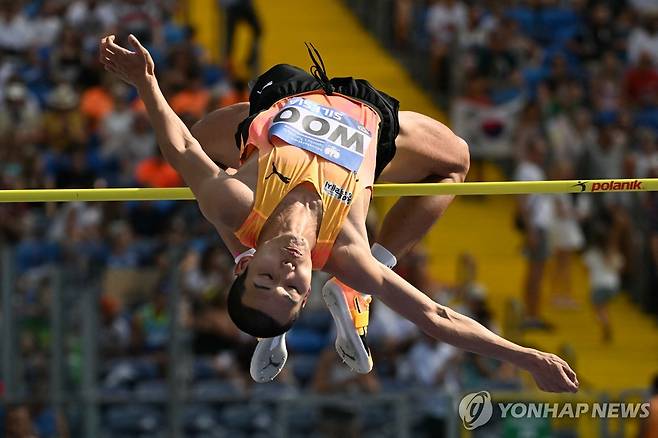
383	256
244	254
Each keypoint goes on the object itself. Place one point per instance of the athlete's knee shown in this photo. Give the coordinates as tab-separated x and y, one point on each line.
462	160
456	160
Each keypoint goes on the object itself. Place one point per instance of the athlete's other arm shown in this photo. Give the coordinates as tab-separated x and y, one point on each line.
355	266
181	150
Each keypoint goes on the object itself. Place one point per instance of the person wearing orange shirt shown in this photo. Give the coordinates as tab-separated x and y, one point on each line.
156	172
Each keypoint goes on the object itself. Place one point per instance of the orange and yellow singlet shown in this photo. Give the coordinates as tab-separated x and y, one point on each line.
327	141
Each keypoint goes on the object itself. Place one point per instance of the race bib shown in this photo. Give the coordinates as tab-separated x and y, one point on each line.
323	131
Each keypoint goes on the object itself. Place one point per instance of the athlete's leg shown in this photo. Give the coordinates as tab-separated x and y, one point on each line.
216	133
427	151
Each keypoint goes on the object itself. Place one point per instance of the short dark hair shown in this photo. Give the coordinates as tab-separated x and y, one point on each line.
249	320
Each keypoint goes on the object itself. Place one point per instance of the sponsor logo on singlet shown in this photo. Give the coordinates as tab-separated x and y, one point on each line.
323	131
337	192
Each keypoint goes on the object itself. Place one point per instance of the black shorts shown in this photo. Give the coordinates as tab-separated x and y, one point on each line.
284	80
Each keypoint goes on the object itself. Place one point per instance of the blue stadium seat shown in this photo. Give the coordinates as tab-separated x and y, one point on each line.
303	340
304	366
127	371
152	390
203	368
199	418
240	418
214	389
134	419
272	390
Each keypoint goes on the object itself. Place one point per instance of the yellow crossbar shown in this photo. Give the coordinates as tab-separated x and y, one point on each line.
425	189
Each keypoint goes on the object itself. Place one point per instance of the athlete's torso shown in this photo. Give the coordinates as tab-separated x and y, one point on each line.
327	143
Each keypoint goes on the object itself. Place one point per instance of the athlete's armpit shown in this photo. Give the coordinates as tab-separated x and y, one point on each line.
216	133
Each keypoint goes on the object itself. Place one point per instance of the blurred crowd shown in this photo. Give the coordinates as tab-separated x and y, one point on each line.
551	89
546	89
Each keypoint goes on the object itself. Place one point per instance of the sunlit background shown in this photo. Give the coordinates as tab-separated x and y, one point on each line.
113	320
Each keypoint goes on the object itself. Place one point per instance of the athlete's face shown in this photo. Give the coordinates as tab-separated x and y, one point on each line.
279	278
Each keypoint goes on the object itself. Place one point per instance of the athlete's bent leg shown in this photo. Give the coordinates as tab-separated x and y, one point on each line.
427	151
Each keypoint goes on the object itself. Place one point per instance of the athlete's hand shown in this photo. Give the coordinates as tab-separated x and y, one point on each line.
135	67
551	373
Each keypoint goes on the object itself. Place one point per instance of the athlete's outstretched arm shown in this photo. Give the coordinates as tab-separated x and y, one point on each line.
177	144
361	271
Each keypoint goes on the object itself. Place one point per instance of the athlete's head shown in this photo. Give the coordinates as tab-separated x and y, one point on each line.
271	287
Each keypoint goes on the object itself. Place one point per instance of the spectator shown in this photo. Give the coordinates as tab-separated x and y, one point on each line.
115	329
142	19
609	89
20	123
403	19
230	94
606	155
476	371
534	217
644	7
67	57
333	377
446	20
203	273
565	238
241	11
645	157
18	423
151	325
479	23
496	61
193	99
430	363
122	150
90	15
214	335
156	172
643	40
118	120
75	173
569	133
16	31
467	285
63	122
49	23
596	33
124	253
97	101
641	80
604	263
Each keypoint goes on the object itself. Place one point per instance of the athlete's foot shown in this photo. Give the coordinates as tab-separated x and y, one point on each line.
268	359
350	310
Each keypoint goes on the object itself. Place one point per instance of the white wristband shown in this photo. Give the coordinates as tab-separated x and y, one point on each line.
248	252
